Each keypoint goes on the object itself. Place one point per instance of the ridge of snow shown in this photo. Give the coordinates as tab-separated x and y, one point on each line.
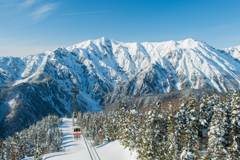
233	51
99	66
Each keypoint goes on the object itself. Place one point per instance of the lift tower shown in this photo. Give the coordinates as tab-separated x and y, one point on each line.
75	104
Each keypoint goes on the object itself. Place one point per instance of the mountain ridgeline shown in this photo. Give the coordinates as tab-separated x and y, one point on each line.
105	71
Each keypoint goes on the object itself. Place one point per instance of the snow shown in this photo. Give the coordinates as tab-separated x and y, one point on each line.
99	66
233	51
75	150
236	112
114	150
134	111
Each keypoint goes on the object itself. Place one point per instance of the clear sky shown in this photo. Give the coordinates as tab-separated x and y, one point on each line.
35	26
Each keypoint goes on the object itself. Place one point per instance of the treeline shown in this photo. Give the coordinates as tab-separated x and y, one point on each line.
207	129
39	139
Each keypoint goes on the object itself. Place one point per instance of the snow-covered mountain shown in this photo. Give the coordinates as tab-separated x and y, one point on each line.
100	67
233	51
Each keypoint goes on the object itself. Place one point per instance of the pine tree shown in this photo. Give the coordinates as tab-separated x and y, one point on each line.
24	147
228	108
190	148
152	137
234	149
38	151
211	101
120	123
16	145
79	117
203	117
6	146
1	148
181	121
126	130
216	148
48	139
172	139
140	132
131	126
12	152
107	129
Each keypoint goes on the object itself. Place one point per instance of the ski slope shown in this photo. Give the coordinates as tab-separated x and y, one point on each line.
75	150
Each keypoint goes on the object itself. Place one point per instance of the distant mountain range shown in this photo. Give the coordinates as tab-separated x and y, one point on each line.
106	70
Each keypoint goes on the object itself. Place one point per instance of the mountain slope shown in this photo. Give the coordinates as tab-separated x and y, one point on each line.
106	67
233	51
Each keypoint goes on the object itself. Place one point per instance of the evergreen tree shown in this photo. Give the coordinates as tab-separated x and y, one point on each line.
181	121
16	146
126	130
38	151
216	148
131	127
24	147
153	137
211	101
79	117
172	139
6	149
107	130
227	107
234	149
120	123
1	148
141	127
203	117
12	152
191	148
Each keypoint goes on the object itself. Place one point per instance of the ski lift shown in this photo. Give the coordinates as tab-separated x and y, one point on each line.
76	133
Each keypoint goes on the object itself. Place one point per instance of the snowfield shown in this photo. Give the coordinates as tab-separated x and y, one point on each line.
75	150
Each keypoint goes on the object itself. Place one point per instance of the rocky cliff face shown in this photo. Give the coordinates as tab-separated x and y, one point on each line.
34	86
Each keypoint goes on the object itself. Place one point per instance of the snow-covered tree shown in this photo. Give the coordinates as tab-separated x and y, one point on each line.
234	149
38	152
191	148
181	121
120	122
171	145
6	149
152	137
203	117
227	107
131	126
107	129
16	145
216	148
1	148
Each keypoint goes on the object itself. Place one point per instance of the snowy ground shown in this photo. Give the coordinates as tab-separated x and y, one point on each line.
75	150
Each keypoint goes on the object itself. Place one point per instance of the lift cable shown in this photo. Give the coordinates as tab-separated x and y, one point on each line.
92	145
88	148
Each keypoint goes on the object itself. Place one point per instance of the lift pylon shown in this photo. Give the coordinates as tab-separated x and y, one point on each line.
75	104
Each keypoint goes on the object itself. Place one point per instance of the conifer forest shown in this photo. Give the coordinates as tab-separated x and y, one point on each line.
193	129
207	128
39	139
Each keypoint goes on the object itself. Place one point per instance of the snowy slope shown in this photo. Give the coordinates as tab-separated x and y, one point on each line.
75	150
233	51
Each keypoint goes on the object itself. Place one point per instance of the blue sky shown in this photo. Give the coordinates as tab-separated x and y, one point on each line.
35	26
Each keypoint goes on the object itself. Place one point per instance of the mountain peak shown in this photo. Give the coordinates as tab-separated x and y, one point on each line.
104	39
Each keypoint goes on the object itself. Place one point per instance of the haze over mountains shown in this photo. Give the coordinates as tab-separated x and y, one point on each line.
34	86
